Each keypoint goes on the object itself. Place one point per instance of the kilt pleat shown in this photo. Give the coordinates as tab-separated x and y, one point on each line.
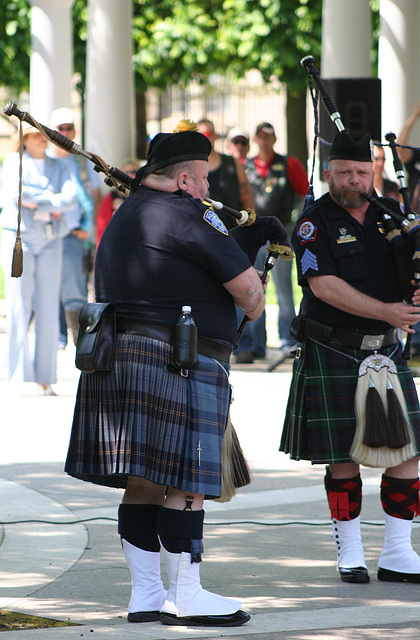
142	419
320	419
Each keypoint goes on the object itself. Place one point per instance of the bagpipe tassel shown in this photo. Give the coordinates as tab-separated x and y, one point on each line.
235	469
375	418
400	435
383	436
17	260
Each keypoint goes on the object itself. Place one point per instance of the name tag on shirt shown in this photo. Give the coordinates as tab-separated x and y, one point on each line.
343	239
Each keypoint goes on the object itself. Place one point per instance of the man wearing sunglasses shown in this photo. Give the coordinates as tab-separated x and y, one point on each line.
238	144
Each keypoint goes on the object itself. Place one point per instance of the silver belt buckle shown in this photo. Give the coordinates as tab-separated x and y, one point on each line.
372	342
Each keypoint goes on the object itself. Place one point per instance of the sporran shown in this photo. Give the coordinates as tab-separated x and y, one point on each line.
384	436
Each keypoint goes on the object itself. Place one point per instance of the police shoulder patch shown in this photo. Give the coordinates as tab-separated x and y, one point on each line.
307	231
214	221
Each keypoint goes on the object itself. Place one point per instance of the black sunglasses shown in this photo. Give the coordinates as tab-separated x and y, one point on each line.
242	142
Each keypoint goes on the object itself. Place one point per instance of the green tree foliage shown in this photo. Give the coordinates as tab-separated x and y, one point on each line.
15	43
180	40
80	29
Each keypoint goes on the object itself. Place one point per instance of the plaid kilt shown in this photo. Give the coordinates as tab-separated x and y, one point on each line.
142	419
320	420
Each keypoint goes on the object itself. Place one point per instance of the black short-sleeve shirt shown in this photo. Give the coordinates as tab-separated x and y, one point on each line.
329	241
161	251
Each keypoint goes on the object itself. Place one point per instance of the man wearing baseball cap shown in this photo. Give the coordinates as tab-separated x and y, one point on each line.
278	183
238	143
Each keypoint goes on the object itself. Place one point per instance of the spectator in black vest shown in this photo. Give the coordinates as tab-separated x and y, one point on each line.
278	183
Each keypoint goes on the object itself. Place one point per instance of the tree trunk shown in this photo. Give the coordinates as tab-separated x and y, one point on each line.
297	143
141	141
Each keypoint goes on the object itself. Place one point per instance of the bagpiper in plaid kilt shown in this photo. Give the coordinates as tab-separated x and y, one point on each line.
353	400
154	424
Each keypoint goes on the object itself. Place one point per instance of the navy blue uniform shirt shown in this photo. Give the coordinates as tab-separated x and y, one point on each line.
161	251
329	241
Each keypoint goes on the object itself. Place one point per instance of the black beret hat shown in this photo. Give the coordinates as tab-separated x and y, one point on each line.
170	148
344	147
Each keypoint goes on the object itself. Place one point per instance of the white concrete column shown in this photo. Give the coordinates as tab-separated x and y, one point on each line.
110	125
51	66
346	36
399	53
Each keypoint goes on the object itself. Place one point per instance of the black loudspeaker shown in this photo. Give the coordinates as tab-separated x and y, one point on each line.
358	101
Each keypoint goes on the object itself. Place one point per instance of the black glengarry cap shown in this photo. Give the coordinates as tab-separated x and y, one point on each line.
344	147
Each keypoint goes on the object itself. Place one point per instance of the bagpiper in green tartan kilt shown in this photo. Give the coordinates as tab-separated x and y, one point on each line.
320	418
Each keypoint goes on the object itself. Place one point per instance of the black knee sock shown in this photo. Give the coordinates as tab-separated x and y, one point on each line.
181	531
137	524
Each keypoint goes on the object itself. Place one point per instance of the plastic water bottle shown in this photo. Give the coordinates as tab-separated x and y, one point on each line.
185	340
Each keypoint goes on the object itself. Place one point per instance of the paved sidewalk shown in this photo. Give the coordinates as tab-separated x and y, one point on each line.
271	546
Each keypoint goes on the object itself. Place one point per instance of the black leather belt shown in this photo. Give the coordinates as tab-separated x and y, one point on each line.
345	338
205	346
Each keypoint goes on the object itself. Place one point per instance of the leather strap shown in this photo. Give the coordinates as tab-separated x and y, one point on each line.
164	333
324	333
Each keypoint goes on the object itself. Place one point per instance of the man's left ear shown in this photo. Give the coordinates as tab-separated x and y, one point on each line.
183	180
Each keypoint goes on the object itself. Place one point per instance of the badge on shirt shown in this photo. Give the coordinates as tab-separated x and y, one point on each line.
307	231
345	237
308	261
214	221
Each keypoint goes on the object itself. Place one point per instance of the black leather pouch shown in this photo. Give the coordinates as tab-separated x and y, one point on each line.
318	331
297	328
96	342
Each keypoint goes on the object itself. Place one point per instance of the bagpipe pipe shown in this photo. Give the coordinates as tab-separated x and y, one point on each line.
384	436
251	232
114	177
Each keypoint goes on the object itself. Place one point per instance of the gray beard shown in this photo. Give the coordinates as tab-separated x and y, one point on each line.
344	200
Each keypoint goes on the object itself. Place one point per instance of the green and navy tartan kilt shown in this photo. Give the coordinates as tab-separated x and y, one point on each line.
142	419
320	418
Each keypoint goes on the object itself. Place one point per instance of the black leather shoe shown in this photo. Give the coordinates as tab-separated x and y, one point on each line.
143	616
354	574
386	575
229	620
